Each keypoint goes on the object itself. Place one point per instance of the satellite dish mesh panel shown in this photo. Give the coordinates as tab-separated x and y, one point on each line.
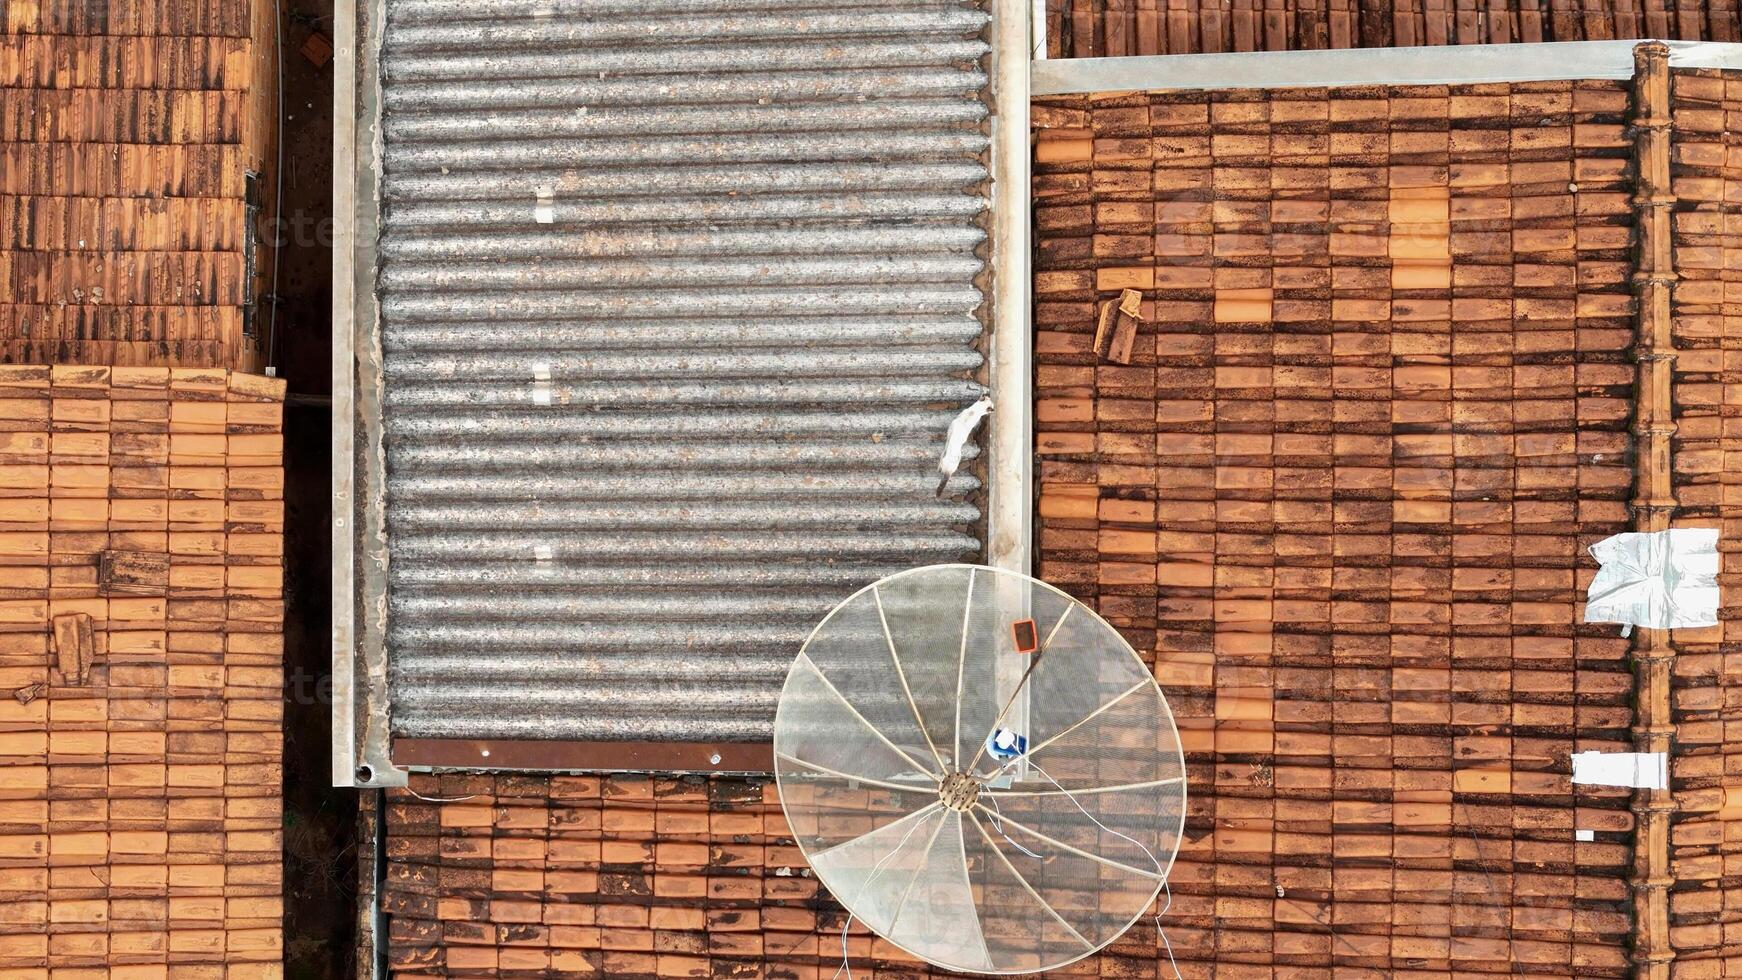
984	808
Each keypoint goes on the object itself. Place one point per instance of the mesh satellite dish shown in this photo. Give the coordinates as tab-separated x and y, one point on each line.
980	769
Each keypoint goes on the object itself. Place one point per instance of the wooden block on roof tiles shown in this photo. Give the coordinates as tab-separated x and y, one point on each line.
1251	305
199	384
79	447
132	573
199	449
75	414
1109	278
32	377
24	414
134	383
254	482
255	387
254	417
1422	275
78	379
141	416
74	647
194	416
255	579
78	480
194	515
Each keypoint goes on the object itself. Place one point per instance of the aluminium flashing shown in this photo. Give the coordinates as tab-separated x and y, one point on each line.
361	750
1429	65
1010	536
341	596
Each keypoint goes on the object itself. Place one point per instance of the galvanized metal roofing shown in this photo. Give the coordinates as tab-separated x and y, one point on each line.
676	302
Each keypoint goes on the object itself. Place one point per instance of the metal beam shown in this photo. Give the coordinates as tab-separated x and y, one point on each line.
344	748
360	755
1010	498
1466	64
462	753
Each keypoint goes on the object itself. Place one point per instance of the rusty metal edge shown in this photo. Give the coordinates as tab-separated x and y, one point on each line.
535	754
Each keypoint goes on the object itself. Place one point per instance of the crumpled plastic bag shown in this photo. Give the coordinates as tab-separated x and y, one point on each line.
961	428
1659	579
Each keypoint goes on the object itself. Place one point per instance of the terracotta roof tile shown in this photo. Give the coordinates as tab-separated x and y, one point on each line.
1706	837
141	526
1120	28
1377	408
126	129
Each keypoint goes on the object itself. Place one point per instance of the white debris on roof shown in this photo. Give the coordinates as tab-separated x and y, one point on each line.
961	430
1658	579
1638	770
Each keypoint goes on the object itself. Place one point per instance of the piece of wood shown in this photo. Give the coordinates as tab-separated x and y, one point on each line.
1131	303
318	49
1124	337
1104	327
1116	326
132	573
74	647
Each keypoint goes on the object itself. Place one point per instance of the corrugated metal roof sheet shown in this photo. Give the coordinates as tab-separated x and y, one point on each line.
677	301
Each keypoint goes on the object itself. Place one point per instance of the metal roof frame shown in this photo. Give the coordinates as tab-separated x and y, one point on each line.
1465	64
364	753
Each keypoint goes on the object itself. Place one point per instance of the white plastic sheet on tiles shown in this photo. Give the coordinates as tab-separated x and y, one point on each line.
677	301
1637	770
1659	579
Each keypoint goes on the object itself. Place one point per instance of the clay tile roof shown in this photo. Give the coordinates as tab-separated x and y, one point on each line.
1377	407
126	129
141	673
1103	28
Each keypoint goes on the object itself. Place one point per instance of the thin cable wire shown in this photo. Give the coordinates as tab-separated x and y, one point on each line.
1159	870
1146	852
439	799
1162	933
1493	885
998	825
278	189
595	803
876	870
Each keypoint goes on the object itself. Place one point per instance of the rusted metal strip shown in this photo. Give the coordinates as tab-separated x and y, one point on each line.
1654	499
464	753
